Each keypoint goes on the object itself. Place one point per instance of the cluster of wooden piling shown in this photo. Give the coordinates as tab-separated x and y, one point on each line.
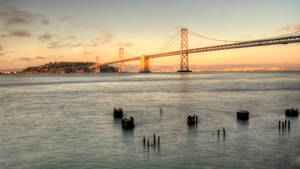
292	112
242	115
192	120
148	144
283	125
127	123
118	112
224	132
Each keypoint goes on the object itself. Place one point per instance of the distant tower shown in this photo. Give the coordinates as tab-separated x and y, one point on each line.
184	60
97	65
121	58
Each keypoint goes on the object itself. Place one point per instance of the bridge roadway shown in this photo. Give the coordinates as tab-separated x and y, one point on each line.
254	43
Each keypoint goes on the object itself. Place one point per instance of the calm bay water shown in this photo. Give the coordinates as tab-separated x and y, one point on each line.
65	121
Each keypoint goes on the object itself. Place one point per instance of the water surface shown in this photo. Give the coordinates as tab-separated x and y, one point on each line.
65	121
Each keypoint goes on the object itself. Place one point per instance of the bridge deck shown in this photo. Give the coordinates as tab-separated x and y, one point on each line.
254	43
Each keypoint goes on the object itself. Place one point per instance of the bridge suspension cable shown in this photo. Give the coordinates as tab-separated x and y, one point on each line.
210	38
170	42
288	34
221	40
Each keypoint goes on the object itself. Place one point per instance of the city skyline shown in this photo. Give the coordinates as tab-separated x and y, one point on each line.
36	32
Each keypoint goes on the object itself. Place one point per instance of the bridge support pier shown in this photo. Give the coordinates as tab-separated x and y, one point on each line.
184	60
144	65
121	63
97	65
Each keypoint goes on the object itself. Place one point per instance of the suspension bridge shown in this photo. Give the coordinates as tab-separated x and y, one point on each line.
185	51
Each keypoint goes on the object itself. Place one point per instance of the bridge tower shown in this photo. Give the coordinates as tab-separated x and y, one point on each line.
121	57
97	65
184	60
144	65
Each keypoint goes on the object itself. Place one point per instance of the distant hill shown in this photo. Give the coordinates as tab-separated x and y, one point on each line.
66	67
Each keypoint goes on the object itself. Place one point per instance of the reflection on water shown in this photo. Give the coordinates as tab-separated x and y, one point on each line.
66	121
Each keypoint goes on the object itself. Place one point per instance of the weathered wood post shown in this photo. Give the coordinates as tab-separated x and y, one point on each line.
218	133
279	124
289	124
144	141
285	124
148	142
224	134
158	141
154	140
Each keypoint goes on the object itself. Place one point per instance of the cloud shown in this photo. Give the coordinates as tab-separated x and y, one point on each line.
55	44
40	57
290	28
76	45
17	20
2	36
72	37
25	59
66	18
14	17
20	33
45	21
87	53
125	44
106	36
45	37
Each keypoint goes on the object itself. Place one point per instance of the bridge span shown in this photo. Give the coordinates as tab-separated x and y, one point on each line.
184	65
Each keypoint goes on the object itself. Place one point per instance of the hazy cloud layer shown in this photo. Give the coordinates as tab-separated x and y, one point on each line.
3	36
125	44
20	33
66	18
87	53
14	16
290	28
40	57
45	37
18	22
25	59
72	37
1	47
55	44
106	36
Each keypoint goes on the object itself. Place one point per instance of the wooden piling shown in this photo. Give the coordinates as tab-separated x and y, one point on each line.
218	133
158	141
282	125
148	142
154	140
144	141
289	124
285	123
279	124
224	134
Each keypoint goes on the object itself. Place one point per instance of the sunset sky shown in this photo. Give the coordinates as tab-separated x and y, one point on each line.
34	32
